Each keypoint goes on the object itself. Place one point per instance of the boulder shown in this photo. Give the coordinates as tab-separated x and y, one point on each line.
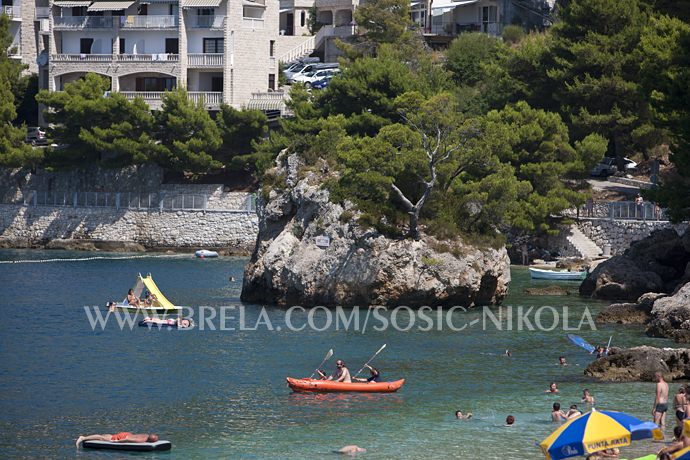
629	313
640	363
548	290
671	316
311	251
574	264
654	264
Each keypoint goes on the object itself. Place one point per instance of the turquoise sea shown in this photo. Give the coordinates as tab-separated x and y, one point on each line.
222	394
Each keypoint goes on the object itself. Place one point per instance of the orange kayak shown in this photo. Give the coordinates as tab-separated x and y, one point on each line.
329	386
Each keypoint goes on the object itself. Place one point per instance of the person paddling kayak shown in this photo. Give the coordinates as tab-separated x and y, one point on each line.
375	375
341	374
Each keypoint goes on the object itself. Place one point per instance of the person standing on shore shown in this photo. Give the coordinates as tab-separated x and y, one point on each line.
660	401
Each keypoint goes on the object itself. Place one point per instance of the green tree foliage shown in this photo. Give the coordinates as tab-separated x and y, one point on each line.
189	137
596	72
469	53
240	130
384	21
13	151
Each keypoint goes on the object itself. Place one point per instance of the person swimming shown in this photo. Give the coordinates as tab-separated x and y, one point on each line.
553	388
460	416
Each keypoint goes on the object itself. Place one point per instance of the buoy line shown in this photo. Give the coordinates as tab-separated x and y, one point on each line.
83	259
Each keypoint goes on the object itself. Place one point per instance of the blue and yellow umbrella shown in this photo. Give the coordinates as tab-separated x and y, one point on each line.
595	431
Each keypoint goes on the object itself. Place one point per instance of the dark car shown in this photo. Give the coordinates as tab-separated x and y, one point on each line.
321	84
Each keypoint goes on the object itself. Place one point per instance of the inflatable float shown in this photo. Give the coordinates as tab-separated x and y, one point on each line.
329	386
204	253
132	446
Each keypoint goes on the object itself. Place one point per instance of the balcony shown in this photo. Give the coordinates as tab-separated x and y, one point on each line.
82	22
205	60
42	12
149	22
14	12
81	58
154	99
453	28
206	22
156	57
253	23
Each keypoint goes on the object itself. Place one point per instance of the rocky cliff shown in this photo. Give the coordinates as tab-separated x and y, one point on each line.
640	364
312	251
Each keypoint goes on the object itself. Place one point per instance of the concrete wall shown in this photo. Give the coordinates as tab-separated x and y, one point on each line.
29	226
621	233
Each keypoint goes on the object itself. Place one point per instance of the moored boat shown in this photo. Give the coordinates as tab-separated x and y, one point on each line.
204	253
539	274
329	386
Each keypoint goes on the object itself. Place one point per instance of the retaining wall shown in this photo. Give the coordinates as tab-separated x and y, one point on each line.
621	233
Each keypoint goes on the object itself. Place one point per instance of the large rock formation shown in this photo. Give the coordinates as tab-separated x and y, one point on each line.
630	313
671	316
311	251
657	263
640	364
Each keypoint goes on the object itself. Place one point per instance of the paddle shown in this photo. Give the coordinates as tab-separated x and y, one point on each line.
328	356
370	360
608	346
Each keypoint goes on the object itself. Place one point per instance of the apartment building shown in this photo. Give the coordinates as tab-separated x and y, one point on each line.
221	51
29	29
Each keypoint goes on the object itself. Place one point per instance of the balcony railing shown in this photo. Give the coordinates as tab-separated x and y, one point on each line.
14	12
206	22
81	57
211	99
258	2
155	57
42	12
149	22
253	23
452	28
205	60
82	22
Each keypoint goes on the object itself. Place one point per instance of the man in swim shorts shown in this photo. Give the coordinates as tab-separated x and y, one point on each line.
123	436
660	401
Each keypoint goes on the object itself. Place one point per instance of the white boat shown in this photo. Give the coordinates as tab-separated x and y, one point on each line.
539	274
160	305
203	253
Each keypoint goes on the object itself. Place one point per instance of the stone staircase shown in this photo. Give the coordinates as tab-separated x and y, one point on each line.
586	247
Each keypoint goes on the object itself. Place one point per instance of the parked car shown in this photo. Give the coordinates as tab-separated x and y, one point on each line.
298	65
309	78
609	166
36	136
297	75
323	83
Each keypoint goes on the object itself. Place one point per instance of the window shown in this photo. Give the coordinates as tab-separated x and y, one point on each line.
303	18
172	45
489	14
271	81
155	83
217	84
173	9
213	45
122	46
272	48
205	12
142	9
79	11
85	45
252	12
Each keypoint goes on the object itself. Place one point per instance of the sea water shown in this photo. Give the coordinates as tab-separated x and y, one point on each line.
223	394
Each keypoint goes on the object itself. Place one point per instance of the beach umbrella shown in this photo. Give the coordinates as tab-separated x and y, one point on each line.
595	431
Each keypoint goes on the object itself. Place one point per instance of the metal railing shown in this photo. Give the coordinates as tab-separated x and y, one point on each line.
82	22
205	60
619	210
42	12
149	22
206	22
160	201
14	12
303	49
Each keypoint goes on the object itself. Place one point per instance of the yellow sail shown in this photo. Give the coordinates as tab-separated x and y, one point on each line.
160	301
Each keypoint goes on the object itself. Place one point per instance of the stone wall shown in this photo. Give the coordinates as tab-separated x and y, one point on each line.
621	233
28	226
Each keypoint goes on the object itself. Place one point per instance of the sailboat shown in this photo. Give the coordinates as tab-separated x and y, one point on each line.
160	304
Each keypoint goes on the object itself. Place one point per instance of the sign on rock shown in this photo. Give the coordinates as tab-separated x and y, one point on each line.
322	241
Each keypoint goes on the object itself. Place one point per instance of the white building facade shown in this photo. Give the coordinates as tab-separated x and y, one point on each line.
221	51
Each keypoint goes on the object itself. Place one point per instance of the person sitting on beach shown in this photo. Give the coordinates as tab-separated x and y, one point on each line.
341	374
132	299
460	416
587	397
561	361
557	415
573	412
606	453
510	420
375	375
123	436
676	444
553	388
